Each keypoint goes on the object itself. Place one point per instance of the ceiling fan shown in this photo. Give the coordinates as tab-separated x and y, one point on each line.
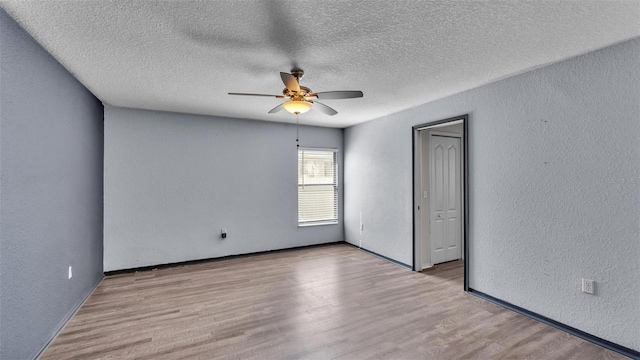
301	98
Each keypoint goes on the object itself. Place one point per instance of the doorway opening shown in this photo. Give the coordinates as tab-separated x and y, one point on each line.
440	193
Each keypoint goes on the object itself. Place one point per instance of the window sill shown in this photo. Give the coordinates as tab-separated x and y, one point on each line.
319	223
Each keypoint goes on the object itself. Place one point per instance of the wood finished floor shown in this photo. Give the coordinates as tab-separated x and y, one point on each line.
330	302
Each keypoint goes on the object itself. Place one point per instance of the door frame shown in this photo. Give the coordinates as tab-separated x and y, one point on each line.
416	157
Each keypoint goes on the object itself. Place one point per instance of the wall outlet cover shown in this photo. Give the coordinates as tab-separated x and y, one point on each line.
587	286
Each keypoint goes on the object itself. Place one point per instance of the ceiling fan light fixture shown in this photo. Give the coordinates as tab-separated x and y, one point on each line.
297	106
300	96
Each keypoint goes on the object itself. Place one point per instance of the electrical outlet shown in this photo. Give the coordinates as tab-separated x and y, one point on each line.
361	227
223	233
587	286
70	272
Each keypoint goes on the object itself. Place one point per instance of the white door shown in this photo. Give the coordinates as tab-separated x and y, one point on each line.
445	205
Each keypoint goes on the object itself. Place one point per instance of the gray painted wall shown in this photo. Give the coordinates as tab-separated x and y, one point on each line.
173	181
554	188
51	201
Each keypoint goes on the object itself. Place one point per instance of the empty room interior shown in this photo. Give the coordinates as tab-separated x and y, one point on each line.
319	180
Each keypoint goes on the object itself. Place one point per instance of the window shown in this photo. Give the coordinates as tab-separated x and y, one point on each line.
317	187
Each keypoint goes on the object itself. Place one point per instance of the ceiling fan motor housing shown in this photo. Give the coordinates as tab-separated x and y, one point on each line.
297	95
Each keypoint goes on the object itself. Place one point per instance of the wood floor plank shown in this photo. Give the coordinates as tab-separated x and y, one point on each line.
329	302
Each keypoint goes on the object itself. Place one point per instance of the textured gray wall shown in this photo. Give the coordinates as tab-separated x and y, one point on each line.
51	199
554	188
172	181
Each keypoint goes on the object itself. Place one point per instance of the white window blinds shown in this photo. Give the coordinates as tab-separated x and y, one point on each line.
317	186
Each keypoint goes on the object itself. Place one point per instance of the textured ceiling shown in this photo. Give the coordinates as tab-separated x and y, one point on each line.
185	56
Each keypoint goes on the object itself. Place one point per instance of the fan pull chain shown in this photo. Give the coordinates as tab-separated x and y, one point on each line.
297	131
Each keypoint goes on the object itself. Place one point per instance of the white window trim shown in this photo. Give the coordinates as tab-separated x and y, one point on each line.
317	223
337	169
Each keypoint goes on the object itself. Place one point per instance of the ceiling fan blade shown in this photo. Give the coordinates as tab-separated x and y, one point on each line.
276	109
267	95
324	108
290	82
344	94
